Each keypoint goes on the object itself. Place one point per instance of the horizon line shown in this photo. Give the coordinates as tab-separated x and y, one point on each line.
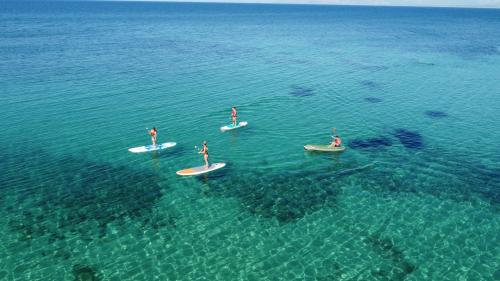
313	2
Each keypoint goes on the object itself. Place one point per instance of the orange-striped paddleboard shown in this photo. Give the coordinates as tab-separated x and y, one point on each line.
200	170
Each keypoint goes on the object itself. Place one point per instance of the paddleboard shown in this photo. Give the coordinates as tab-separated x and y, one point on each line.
323	147
232	127
200	170
148	148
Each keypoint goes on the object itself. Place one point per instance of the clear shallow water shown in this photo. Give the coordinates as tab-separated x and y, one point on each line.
413	92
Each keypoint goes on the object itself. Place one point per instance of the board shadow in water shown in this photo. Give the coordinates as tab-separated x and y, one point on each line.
373	99
370	84
298	91
436	114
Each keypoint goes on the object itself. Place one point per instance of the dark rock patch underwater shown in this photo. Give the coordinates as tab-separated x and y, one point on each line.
409	139
377	142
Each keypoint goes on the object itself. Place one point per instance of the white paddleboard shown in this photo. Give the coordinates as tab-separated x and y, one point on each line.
323	147
148	148
232	127
200	170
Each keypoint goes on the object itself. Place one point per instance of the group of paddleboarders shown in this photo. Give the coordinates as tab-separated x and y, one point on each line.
336	141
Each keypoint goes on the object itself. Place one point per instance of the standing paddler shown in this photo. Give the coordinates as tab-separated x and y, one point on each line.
234	114
204	151
153	133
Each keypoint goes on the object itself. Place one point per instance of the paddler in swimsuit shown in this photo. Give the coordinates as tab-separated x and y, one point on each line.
153	132
234	115
336	142
204	151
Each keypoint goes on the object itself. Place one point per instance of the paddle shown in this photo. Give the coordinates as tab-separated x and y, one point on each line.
196	149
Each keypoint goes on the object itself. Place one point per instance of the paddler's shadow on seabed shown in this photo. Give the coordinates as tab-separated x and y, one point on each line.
176	151
215	175
155	162
334	156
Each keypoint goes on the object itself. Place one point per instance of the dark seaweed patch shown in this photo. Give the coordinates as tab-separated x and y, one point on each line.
298	91
436	114
74	197
333	269
84	273
377	142
373	99
286	197
370	84
409	139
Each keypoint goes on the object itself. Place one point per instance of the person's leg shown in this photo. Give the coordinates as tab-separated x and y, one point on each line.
206	161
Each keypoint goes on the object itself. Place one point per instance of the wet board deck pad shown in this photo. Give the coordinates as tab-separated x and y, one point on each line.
148	148
323	147
232	127
200	170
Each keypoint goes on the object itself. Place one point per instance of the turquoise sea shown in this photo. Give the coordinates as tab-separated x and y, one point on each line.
413	92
